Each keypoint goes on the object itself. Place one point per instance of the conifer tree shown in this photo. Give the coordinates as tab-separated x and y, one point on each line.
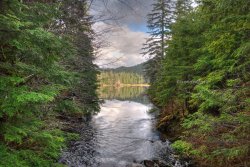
158	23
76	24
207	68
45	50
177	62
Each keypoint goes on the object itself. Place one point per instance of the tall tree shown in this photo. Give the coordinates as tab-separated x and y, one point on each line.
75	23
46	71
159	22
207	67
177	63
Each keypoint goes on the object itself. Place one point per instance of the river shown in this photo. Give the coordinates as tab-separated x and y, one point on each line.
122	134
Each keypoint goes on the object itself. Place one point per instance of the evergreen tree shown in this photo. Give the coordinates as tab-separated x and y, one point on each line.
158	23
177	65
204	80
75	23
46	57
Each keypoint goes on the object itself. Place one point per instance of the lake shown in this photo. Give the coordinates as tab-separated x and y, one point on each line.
122	134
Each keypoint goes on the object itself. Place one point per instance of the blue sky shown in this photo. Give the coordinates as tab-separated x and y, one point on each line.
142	27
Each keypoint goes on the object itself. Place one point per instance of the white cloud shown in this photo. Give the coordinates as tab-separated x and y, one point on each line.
125	47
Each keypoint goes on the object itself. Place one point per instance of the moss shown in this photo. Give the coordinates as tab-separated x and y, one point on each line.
182	146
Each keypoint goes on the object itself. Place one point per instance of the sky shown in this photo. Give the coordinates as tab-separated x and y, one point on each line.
124	24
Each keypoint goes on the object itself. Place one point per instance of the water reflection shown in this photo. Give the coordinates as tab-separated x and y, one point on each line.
125	132
121	134
136	94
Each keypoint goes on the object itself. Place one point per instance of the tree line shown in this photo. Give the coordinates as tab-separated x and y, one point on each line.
46	72
199	76
117	78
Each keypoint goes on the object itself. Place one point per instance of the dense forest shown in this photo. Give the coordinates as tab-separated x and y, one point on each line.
46	73
199	77
138	69
114	78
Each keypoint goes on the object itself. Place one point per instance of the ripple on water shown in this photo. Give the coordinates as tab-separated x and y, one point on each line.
121	135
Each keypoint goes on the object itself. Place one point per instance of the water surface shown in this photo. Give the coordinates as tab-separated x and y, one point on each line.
120	135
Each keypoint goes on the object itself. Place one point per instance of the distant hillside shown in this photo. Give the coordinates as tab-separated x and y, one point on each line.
123	75
133	69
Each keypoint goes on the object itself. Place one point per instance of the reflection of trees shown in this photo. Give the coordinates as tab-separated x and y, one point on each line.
136	94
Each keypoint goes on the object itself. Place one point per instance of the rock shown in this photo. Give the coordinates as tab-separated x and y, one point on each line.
155	163
149	163
162	163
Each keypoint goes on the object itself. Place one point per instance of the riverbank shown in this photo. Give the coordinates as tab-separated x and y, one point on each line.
196	145
171	129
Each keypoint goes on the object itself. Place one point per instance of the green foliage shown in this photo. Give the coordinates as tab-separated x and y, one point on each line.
38	78
200	121
182	146
204	81
68	107
44	150
158	24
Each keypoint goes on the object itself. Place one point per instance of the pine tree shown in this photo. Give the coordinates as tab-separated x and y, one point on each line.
76	24
45	50
158	23
177	64
206	75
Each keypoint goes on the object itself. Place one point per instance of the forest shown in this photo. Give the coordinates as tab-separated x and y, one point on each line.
138	69
46	73
113	78
198	73
199	77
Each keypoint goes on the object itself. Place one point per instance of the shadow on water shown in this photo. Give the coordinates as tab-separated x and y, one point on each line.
122	134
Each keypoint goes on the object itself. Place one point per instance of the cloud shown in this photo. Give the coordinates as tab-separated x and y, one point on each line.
124	50
126	22
128	11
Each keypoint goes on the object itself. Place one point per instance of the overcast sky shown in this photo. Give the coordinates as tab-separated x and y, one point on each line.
127	30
